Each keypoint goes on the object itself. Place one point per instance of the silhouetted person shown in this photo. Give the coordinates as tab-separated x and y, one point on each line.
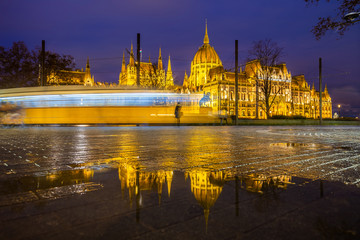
178	113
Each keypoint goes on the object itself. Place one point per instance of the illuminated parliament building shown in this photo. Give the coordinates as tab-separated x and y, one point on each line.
291	95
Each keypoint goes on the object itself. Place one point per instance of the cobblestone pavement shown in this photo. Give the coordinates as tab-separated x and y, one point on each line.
196	182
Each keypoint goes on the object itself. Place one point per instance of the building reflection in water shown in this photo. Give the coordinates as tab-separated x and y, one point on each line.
205	185
62	178
49	186
261	183
135	180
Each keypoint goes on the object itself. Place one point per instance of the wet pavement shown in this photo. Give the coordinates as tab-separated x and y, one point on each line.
185	182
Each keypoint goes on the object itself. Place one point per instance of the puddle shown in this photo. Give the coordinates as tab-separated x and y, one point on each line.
188	182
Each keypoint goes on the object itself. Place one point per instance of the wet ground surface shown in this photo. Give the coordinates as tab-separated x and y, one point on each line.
180	182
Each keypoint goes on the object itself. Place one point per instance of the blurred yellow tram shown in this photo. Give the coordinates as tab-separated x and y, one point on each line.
104	105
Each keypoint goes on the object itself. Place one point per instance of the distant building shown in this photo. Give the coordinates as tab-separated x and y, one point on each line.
151	75
291	95
63	77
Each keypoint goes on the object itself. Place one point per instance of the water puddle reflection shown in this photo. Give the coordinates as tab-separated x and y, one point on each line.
165	182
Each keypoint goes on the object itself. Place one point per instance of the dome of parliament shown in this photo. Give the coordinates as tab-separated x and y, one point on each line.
206	53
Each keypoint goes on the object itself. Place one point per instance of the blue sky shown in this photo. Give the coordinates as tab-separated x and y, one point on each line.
102	30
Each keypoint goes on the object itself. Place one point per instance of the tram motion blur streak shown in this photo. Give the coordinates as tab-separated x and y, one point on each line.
104	105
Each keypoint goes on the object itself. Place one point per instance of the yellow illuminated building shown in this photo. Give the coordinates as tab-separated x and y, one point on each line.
291	95
205	59
151	75
77	77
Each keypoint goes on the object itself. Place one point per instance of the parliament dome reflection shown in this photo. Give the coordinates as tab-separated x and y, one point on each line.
206	187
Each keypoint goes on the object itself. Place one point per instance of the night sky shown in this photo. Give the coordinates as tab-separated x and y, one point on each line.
102	30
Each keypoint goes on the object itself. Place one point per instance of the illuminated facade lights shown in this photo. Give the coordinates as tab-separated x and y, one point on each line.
292	96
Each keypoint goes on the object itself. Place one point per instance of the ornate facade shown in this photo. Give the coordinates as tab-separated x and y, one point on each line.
289	95
151	75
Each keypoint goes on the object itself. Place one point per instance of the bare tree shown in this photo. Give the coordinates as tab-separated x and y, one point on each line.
264	57
337	21
19	67
57	68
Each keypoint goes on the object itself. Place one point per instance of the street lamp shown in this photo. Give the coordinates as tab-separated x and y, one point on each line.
339	107
351	17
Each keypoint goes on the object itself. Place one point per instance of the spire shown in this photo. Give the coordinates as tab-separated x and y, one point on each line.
169	66
325	90
169	77
159	191
149	59
123	66
206	215
160	65
88	81
132	61
206	38
169	177
185	82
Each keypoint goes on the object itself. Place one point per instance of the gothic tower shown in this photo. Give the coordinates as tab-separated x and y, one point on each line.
169	76
160	64
160	72
122	75
88	81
